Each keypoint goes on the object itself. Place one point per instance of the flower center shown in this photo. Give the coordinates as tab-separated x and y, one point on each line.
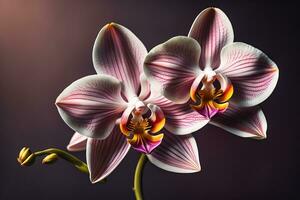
211	95
140	130
139	126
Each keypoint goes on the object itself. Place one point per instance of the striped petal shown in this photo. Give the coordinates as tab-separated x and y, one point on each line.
213	30
252	73
77	142
118	52
103	156
181	119
176	154
145	88
172	67
243	122
91	105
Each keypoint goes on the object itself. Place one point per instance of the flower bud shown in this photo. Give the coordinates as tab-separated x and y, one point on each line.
51	158
26	158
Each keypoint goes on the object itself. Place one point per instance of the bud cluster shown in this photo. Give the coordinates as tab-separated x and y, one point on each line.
26	157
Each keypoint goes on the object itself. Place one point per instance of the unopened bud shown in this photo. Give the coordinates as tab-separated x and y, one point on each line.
26	158
51	158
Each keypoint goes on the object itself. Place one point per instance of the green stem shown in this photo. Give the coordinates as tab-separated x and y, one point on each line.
81	166
138	175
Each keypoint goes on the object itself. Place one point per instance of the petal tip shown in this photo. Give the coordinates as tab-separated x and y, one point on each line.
214	10
211	8
58	104
57	101
94	181
195	166
111	25
261	137
69	148
197	169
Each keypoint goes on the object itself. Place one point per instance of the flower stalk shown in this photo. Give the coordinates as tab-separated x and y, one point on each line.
26	158
138	175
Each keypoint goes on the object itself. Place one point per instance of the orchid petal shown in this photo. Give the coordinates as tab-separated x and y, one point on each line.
77	142
103	156
252	73
244	122
181	119
145	88
118	52
176	154
213	30
91	105
172	66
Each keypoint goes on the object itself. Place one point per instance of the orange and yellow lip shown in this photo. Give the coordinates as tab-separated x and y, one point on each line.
207	99
140	131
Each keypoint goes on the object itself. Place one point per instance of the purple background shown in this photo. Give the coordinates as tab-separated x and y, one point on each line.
46	45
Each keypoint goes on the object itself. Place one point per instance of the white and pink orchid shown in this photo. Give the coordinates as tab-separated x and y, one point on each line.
220	79
117	109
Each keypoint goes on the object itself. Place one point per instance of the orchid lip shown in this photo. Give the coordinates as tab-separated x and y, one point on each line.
211	94
140	130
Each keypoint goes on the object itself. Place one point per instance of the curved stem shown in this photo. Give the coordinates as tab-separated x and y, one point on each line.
80	165
138	175
27	158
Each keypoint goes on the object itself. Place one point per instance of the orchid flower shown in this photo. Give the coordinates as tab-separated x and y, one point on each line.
222	80
117	109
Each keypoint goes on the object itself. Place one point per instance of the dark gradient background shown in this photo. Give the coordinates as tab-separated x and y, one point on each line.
46	45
